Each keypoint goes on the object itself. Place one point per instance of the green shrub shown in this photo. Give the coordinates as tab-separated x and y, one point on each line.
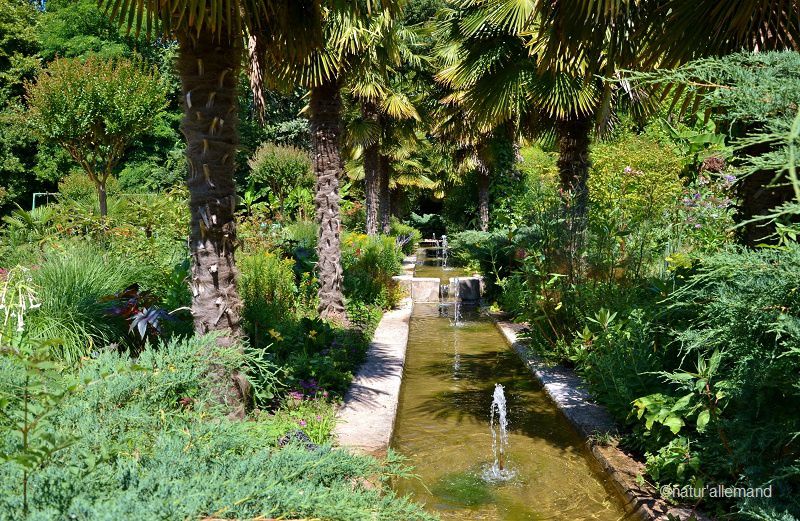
640	208
71	285
530	195
34	227
495	254
369	263
268	290
702	368
318	357
279	173
78	187
302	233
407	236
428	225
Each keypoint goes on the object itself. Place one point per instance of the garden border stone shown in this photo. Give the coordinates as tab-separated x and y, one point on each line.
592	421
365	421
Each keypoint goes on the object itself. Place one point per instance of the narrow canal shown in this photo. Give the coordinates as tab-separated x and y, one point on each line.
443	428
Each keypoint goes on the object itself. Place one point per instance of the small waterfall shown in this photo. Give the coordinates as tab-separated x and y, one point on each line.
498	423
444	252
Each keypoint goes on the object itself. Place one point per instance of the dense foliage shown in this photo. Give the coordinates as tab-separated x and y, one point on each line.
688	339
642	223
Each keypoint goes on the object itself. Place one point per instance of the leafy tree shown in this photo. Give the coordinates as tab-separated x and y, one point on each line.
94	110
18	46
19	61
78	29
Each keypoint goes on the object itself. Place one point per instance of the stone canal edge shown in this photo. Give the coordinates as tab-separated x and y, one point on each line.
365	420
593	422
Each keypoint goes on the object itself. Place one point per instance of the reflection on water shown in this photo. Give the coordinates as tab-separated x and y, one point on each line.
434	271
443	428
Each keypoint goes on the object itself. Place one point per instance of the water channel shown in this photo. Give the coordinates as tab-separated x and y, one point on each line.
443	427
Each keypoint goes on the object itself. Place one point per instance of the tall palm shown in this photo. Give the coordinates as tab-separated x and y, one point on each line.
471	141
374	85
323	72
377	155
376	137
211	37
396	162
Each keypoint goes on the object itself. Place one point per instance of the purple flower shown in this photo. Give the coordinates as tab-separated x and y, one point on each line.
729	178
302	423
698	225
309	385
319	418
696	196
628	170
295	395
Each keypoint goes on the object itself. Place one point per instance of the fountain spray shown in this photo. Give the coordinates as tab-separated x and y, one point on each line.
498	423
499	434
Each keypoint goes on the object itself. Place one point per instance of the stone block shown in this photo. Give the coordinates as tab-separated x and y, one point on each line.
425	289
469	288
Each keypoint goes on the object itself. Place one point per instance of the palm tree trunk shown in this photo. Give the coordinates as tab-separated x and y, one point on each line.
325	123
385	195
573	167
483	195
208	69
372	173
255	75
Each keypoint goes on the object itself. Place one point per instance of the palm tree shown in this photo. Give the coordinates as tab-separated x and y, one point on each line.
542	65
211	36
470	141
347	32
398	162
375	136
374	84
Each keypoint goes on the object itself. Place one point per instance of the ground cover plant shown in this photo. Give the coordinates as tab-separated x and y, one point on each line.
125	437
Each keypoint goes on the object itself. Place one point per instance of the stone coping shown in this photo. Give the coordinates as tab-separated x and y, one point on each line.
365	421
592	421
